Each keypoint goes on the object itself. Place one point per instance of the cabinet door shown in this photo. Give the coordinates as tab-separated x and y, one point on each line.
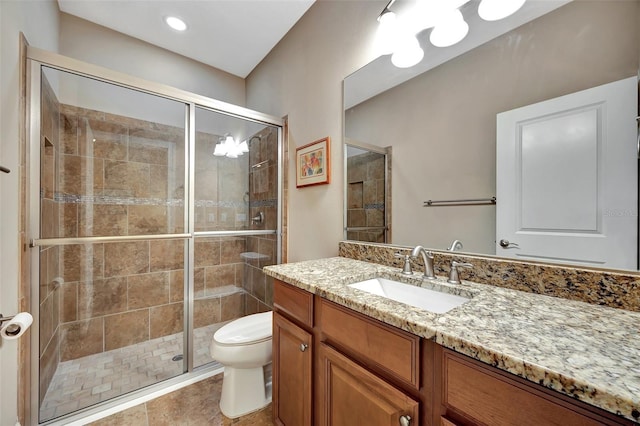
354	396
292	358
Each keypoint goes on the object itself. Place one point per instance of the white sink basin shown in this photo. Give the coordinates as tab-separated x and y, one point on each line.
424	298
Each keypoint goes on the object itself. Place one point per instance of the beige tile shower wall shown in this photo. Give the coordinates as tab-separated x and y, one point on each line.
608	288
133	170
259	287
121	176
263	194
50	228
119	294
219	275
365	195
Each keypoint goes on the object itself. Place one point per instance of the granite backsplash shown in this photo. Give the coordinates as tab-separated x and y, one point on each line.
599	287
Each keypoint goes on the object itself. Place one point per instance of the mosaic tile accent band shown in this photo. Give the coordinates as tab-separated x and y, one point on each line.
374	206
137	201
263	203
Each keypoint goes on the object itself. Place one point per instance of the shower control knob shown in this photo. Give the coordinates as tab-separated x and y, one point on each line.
303	347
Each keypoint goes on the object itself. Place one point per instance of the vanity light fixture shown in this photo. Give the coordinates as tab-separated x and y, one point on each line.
408	53
227	146
493	10
175	23
400	42
387	32
450	30
396	35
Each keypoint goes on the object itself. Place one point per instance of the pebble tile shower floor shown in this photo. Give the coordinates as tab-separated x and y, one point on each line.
85	381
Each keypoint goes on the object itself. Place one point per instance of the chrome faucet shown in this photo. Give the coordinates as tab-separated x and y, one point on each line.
454	278
455	245
427	258
406	267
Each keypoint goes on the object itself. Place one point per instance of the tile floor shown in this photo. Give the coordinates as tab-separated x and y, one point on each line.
194	405
85	381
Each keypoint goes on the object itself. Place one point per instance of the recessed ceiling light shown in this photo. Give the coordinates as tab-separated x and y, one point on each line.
175	23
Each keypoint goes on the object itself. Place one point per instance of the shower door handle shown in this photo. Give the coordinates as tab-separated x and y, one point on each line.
4	170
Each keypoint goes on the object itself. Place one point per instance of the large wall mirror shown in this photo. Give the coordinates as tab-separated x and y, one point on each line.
442	123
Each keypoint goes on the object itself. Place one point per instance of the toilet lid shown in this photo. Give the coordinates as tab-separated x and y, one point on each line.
249	329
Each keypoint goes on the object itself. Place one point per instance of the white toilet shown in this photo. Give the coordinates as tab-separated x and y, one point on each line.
243	346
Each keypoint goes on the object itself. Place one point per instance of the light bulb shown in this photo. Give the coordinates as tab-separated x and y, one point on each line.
493	10
408	54
451	30
428	13
386	36
220	150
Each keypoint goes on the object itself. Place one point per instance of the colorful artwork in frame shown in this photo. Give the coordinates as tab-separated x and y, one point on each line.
312	163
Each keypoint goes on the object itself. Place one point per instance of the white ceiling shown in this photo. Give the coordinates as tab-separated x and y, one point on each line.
231	35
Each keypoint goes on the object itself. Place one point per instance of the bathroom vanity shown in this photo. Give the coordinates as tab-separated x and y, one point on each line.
505	357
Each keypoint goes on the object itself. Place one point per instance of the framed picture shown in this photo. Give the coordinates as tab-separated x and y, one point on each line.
312	163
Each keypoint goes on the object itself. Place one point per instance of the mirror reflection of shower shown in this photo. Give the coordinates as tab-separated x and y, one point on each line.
367	215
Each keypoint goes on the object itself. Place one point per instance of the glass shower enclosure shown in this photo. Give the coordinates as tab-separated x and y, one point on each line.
144	241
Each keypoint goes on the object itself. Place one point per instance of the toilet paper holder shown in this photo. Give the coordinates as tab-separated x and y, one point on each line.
12	329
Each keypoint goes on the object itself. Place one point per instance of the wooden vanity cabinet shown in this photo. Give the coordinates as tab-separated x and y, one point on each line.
469	392
293	350
368	372
353	395
353	369
334	366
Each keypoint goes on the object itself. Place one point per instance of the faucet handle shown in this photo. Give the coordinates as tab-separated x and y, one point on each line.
454	277
406	268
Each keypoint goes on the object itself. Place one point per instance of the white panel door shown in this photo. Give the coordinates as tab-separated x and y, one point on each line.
567	185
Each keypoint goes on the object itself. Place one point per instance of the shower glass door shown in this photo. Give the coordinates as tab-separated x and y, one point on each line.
158	210
235	221
112	241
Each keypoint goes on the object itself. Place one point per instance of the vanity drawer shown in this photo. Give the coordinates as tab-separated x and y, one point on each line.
378	345
484	396
296	303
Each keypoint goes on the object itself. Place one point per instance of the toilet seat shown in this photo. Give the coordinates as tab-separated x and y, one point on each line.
248	330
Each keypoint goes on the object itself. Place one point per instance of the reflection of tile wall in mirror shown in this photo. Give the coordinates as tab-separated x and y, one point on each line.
366	196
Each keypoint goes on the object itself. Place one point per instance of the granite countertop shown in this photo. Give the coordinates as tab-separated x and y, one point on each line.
589	352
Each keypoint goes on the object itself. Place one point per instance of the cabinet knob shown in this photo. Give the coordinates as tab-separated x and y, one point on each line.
405	420
303	347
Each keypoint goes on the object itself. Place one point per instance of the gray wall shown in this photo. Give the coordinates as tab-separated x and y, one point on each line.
98	45
38	20
302	78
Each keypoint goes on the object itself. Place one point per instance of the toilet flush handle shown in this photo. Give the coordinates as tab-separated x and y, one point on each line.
303	347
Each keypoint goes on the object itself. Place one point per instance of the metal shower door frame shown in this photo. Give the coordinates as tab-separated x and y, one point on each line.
36	60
